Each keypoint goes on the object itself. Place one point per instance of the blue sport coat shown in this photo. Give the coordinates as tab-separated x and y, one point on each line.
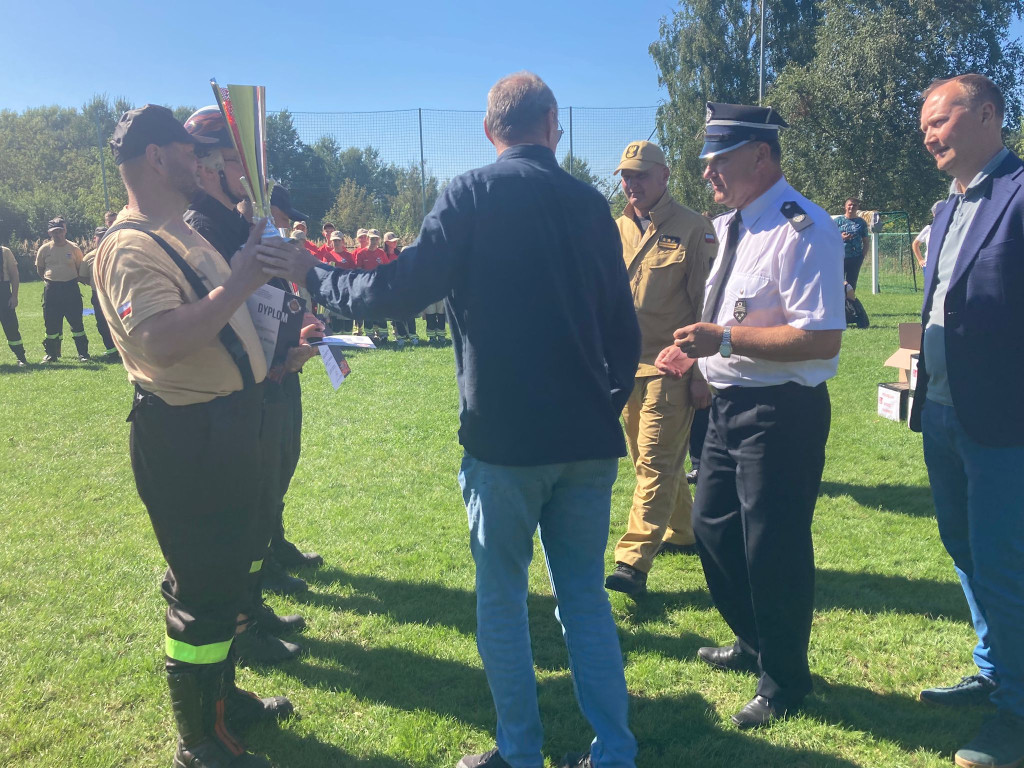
984	314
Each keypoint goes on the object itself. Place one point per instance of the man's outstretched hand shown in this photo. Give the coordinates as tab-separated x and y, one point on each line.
290	260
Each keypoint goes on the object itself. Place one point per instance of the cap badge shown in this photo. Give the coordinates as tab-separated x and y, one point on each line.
632	151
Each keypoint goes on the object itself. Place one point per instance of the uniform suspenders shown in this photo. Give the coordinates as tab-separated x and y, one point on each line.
227	334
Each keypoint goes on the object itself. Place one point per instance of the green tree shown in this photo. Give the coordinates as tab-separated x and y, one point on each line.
854	110
708	50
410	201
353	208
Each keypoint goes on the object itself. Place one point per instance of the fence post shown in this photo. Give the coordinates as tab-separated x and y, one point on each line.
423	172
103	163
572	157
874	263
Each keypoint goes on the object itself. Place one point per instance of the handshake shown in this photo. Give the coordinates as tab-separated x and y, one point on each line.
261	259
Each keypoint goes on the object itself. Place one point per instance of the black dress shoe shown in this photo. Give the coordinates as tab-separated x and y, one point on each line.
729	657
759	712
691	477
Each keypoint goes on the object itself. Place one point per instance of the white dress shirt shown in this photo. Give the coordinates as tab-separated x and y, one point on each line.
782	275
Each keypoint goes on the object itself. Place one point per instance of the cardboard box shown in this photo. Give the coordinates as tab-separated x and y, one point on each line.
913	371
892	400
910	342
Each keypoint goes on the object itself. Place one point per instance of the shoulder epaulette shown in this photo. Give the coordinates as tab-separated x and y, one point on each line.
796	215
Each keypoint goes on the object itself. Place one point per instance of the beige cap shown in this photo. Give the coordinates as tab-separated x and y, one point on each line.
374	233
336	235
641	156
361	233
298	234
390	237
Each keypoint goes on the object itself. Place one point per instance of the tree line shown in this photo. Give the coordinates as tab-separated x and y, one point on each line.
846	75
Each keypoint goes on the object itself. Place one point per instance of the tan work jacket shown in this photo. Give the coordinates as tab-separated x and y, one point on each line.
667	266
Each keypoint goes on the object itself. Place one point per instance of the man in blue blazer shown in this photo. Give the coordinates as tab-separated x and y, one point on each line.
969	402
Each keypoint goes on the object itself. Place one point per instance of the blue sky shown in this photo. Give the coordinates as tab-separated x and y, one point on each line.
327	56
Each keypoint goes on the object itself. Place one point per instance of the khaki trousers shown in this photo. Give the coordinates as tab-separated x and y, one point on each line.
657	418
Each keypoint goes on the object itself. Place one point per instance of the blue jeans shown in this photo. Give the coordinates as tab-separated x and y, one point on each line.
979	505
571	504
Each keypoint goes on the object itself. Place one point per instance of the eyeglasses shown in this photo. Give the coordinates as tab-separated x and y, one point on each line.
561	132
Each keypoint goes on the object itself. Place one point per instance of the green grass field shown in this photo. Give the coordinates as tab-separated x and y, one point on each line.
391	677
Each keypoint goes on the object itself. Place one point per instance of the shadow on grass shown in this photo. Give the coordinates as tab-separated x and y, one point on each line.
913	500
432	604
878	593
397	678
671	730
289	750
893	717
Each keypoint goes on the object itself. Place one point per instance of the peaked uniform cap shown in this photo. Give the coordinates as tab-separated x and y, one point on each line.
729	126
641	156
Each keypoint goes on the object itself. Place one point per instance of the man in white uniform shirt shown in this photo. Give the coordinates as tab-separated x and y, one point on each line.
768	340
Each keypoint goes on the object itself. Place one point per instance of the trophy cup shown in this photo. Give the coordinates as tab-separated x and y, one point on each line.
245	110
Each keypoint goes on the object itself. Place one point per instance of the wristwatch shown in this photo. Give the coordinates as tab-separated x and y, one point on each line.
725	350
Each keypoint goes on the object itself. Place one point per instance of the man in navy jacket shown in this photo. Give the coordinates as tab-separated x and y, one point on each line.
540	392
973	437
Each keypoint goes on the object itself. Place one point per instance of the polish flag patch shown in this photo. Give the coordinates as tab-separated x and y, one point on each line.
124	310
709	238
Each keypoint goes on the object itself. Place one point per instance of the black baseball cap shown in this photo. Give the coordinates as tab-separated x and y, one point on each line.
281	198
57	223
149	124
99	232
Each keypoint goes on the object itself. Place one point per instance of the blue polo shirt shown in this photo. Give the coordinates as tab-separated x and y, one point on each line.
546	339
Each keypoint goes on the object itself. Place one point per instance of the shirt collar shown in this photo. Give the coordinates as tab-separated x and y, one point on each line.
983	174
533	151
661	211
754	210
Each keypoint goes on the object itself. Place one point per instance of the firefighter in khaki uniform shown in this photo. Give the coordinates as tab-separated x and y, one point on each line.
667	248
9	284
85	277
57	263
178	318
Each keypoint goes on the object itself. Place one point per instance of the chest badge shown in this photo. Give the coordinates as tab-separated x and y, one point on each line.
739	310
668	242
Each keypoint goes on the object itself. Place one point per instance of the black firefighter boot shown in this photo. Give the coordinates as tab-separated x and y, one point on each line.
243	709
52	349
82	345
204	741
19	352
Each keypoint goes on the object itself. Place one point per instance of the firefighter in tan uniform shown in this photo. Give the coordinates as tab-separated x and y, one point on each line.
57	262
667	248
9	284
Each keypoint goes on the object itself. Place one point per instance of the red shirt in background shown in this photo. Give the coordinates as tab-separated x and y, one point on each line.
344	260
370	259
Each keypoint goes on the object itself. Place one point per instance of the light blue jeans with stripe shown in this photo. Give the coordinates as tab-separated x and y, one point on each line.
570	503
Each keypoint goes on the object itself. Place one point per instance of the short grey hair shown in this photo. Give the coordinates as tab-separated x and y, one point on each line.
517	106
